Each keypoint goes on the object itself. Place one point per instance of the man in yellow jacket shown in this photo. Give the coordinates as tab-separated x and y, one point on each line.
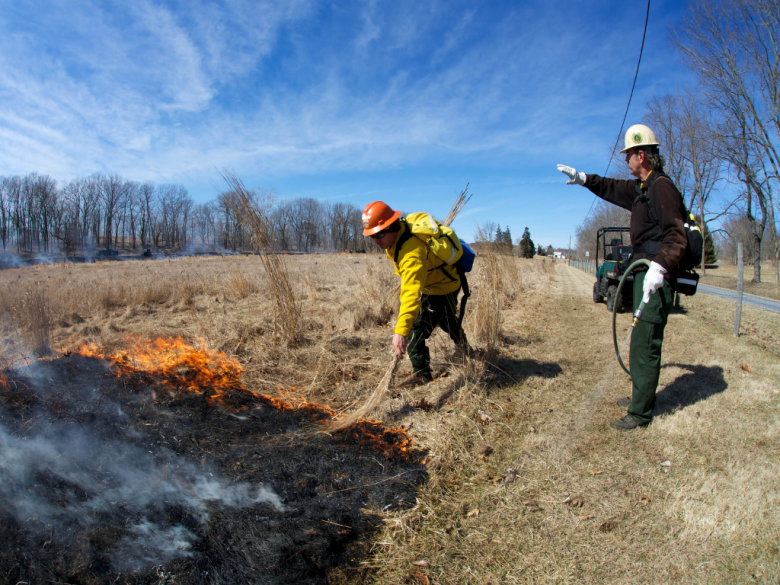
429	287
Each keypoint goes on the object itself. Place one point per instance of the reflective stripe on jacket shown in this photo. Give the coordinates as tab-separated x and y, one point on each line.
420	275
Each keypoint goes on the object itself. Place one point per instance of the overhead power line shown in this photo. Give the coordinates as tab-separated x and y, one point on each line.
631	95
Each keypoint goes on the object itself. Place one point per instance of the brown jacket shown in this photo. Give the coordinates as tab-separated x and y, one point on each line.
668	209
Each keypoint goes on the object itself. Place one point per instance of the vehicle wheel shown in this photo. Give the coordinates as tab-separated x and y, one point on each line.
620	300
611	293
597	298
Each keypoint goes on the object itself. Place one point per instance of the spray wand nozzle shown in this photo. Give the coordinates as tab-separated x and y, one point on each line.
638	313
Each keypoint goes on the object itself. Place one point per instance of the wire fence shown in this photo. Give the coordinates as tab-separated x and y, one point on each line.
588	266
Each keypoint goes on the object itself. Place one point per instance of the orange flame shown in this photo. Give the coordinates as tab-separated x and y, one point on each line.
394	442
184	368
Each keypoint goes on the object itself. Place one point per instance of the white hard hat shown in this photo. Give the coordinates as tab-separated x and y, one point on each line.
639	135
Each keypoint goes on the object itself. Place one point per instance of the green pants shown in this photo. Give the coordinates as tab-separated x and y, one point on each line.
646	342
441	310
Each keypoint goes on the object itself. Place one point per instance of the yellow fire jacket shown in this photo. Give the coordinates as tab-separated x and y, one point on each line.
417	268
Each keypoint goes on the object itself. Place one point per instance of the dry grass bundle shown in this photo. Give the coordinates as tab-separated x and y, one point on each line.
458	206
152	292
382	389
241	202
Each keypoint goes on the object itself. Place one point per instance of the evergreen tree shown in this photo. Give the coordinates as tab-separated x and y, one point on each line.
550	251
527	247
540	251
498	239
508	239
710	255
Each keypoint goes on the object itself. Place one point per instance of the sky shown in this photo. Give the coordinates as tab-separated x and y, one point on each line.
354	101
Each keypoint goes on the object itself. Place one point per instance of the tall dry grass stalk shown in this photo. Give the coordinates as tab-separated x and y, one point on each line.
458	206
288	310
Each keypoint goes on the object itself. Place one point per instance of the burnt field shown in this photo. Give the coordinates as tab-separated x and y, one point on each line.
158	427
127	471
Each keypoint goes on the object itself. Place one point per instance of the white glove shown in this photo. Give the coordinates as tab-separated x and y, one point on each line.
654	279
575	178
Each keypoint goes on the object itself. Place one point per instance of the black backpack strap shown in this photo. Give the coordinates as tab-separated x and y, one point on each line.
402	239
650	247
443	266
454	244
464	284
647	196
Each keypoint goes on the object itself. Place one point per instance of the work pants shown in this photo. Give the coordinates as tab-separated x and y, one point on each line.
436	310
647	340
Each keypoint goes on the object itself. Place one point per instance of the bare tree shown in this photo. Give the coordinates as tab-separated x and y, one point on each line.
734	48
112	191
688	144
8	187
747	161
663	115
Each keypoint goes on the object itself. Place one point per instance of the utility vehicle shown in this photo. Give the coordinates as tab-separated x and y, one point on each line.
613	251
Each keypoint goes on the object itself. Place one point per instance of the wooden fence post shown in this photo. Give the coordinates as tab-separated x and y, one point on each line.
740	276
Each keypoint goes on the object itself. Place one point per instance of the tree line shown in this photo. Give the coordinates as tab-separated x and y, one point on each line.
501	240
107	211
725	135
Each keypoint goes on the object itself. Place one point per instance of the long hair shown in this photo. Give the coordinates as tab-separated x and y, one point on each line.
653	157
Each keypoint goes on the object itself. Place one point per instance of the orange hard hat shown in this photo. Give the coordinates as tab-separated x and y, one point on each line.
378	216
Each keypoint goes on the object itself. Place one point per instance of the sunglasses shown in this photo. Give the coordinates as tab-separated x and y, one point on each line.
379	236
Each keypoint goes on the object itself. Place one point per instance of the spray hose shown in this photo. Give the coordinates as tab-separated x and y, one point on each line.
637	313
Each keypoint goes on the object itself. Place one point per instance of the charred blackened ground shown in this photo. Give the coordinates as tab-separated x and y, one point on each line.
113	476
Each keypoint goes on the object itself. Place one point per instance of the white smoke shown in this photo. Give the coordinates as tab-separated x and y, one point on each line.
150	545
67	475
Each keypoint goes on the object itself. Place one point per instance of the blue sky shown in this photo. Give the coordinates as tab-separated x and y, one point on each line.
352	101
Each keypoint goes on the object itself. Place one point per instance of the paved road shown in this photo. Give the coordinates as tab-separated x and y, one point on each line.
731	295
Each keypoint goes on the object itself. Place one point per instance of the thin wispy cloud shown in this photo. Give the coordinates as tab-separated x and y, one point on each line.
167	90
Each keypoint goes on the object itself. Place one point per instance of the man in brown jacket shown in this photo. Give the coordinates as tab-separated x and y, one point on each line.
657	234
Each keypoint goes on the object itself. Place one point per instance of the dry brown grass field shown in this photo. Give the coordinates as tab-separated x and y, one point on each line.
527	483
725	276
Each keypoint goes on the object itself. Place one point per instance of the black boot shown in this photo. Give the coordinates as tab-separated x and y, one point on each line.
626	423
